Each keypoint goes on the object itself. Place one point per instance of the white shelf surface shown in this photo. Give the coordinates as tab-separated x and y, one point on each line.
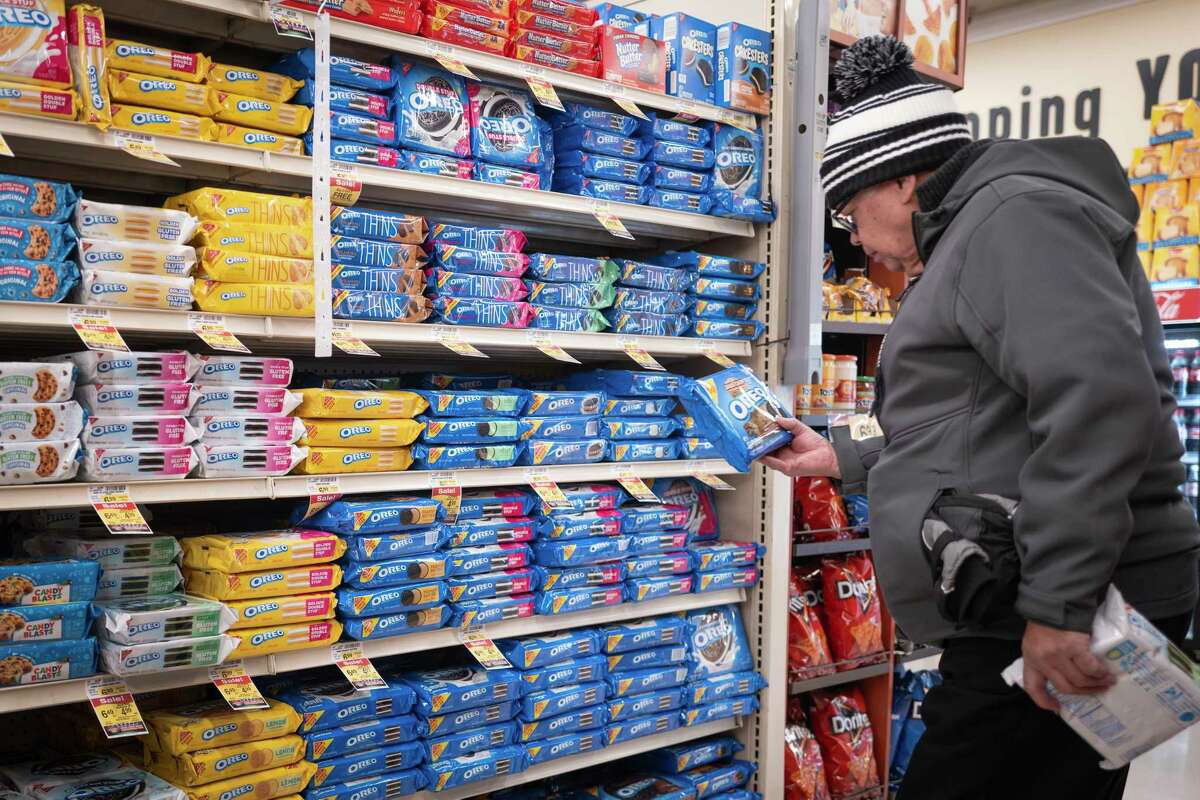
192	490
43	695
70	144
34	322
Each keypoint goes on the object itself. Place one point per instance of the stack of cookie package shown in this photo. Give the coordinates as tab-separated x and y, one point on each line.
563	427
477	277
53	776
683	160
513	146
39	422
637	409
599	154
555	34
350	430
478	24
651	300
570	292
471	428
378	258
36	240
725	294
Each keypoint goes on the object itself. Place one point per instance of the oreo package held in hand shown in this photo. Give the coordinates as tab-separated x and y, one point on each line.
737	412
473	311
434	164
368	516
571	295
577	320
718	642
682	155
480	262
466	284
491	530
614	191
581	552
679	179
681	201
503	240
726	329
642	275
566	601
606	167
738	161
592	117
431	109
572	269
472	430
548	452
581	137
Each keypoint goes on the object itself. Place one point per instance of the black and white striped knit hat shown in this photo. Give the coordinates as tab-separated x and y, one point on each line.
894	123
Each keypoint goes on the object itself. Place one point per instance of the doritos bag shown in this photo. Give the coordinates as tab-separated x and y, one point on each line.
808	649
850	600
842	728
818	511
804	769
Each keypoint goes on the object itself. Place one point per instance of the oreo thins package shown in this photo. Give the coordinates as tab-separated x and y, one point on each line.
656	632
431	110
442	691
737	412
739	156
691	47
719	644
743	68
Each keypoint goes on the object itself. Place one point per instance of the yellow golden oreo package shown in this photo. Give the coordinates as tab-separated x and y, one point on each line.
33	43
135	88
221	763
251	552
270	240
282	610
361	432
343	460
85	37
253	82
234	205
268	115
37	101
261	299
269	583
232	266
159	122
285	638
213	724
158	61
355	404
225	133
265	785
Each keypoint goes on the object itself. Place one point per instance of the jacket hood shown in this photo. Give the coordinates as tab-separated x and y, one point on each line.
1084	164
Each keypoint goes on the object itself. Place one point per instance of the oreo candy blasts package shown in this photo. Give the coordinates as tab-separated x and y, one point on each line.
736	411
719	644
505	128
431	109
738	164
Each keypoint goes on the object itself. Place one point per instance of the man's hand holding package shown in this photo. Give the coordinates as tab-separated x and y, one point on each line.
1065	659
809	455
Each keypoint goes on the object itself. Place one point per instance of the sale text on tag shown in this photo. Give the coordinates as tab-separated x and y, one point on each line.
452	340
5	150
143	146
96	330
211	328
446	490
357	668
347	341
543	90
321	492
236	686
114	707
636	486
117	510
634	350
541	482
344	184
710	479
483	649
289	22
542	341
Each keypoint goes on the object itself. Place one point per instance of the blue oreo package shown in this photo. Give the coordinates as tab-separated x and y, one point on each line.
654	543
469	284
735	206
684	180
432	109
562	746
20	195
682	757
555	428
737	412
484	402
472	430
363	516
580	552
748	330
472	311
549	452
593	140
595	575
642	275
393	600
615	191
428	619
589	497
657	566
491	530
655	632
726	289
503	175
360	736
579	320
714	779
692	447
539	651
568	601
681	201
690	45
369	279
638	406
722	709
347	99
488	558
606	522
741	578
709	265
561	699
647	680
480	262
544	403
623	428
570	295
394	572
738	161
726	555
493	609
380	787
663	129
592	117
581	719
485	764
674	154
650	725
371	253
573	269
653	450
737	794
621	382
360	153
628	299
470	718
516	141
723	311
724	687
718	642
465	743
479	503
434	164
380	306
441	691
465	383
606	167
330	703
343	71
620	17
369	763
645	518
666	656
503	240
567	673
639	590
483	456
504	583
626	708
358	128
381	226
36	281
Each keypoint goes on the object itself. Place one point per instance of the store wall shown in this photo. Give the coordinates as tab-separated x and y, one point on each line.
1093	76
714	11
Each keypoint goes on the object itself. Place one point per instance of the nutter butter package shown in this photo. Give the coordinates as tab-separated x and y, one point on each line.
213	724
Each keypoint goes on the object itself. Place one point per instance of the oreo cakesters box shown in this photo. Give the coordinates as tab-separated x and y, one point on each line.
431	110
632	59
690	47
743	68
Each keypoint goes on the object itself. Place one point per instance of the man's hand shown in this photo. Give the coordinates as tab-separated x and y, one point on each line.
810	455
1064	659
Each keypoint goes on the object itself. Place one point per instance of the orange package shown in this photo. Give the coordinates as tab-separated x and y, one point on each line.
843	730
853	619
803	766
808	648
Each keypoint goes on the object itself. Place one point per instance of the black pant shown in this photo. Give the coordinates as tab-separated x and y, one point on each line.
986	740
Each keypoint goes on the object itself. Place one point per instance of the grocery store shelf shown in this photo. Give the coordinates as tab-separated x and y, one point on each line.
42	695
41	323
808	549
839	678
560	216
861	328
198	490
605	755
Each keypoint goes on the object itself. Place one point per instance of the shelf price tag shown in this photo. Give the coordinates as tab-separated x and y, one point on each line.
143	146
358	669
710	479
5	150
344	184
446	489
689	111
451	339
96	329
710	350
633	348
540	481
321	492
212	329
603	213
741	121
236	686
115	708
117	510
620	95
483	649
543	90
345	340
444	55
289	22
542	341
636	486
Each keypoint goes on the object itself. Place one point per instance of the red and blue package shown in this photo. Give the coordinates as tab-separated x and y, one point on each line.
596	575
481	262
679	179
625	708
435	164
606	522
443	282
395	600
852	614
843	729
490	530
629	299
804	768
492	609
429	619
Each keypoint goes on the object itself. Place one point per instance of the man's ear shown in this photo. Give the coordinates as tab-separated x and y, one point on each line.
908	188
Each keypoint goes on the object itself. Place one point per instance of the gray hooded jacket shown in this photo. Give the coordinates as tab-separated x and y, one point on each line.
1028	361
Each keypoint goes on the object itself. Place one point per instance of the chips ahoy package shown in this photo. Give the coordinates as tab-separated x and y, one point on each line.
736	411
431	108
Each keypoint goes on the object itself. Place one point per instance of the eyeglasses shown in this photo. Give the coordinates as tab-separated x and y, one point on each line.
844	221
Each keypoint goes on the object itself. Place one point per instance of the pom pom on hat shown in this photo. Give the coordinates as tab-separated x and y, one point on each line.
867	61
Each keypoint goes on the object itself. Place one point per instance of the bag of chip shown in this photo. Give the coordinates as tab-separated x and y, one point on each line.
804	769
808	648
843	730
918	686
850	600
819	513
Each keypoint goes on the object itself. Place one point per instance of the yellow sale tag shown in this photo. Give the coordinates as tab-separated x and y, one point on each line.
630	107
603	212
633	348
236	686
321	492
95	328
710	350
5	150
345	340
447	491
743	121
542	341
451	339
636	486
289	22
541	482
542	89
483	649
212	329
143	146
358	669
444	55
344	184
711	480
117	510
114	706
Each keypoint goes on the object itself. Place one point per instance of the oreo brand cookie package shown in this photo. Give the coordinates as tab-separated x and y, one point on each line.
377	78
681	201
723	311
642	275
640	681
560	428
571	295
472	741
431	108
638	406
682	757
734	206
394	572
593	140
572	269
373	602
667	656
710	266
492	584
585	497
380	787
618	428
655	632
568	673
640	705
582	719
727	555
691	51
682	155
739	578
573	182
491	530
466	284
562	746
596	575
616	16
595	118
442	691
472	430
722	709
726	289
480	262
505	128
347	99
665	129
429	619
555	318
324	704
474	311
512	176
718	642
656	566
694	447
486	402
644	726
605	167
433	164
743	68
488	558
654	543
737	412
368	516
360	736
683	180
470	719
493	609
503	240
639	590
580	552
540	651
543	403
648	300
652	450
726	329
581	526
359	153
642	785
546	452
738	161
397	757
724	687
567	601
560	699
451	772
478	503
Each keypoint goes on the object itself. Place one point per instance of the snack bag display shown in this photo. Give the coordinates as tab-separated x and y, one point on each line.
851	606
843	730
804	767
808	649
35	43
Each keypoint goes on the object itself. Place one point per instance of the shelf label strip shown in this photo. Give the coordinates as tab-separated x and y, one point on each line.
543	90
710	479
95	328
540	481
321	492
5	150
213	331
117	510
344	339
709	349
542	341
236	686
633	348
604	214
482	648
444	55
636	486
358	669
143	146
114	707
452	339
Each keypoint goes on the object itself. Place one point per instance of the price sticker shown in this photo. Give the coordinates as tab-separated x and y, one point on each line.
5	150
114	707
620	96
117	510
344	339
633	348
358	669
444	55
344	184
710	350
540	481
543	90
689	111
236	686
451	339
744	122
604	214
211	328
542	341
636	486
710	479
321	492
289	22
862	427
483	649
96	329
143	146
446	490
